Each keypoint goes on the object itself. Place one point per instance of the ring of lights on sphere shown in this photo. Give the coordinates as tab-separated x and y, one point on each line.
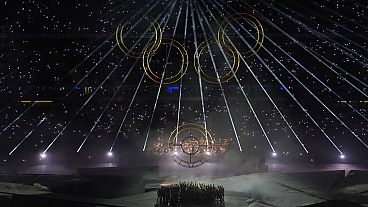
148	54
134	54
197	65
255	22
190	150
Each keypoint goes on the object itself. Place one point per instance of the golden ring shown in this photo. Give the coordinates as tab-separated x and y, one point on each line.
257	24
210	79
134	54
149	53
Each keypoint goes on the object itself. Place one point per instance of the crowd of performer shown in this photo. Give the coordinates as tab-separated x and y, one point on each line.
190	194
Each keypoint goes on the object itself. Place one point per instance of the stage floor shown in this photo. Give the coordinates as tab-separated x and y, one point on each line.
257	189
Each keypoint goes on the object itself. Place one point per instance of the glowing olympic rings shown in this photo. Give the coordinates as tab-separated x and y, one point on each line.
204	75
251	19
148	54
153	46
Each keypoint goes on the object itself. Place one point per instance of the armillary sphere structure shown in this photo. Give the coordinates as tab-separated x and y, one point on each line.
190	145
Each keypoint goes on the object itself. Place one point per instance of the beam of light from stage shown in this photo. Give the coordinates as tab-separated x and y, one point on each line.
331	21
82	107
309	91
263	89
126	113
316	55
342	16
326	37
181	79
315	77
107	106
277	46
112	35
86	58
347	39
162	79
218	76
90	44
241	87
67	95
199	74
286	89
90	98
45	117
134	95
319	100
18	117
318	34
98	47
316	97
163	73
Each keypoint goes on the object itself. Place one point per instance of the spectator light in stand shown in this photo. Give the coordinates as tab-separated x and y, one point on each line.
274	154
208	153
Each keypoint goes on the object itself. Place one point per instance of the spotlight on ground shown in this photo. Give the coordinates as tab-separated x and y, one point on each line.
110	154
274	154
342	156
43	155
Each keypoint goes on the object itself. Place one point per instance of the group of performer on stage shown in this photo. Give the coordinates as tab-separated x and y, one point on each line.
190	194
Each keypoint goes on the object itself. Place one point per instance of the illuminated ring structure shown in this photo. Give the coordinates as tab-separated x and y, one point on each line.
190	145
197	66
256	23
153	46
149	53
190	151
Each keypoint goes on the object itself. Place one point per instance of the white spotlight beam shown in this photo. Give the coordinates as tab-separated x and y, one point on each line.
84	77
107	106
126	113
318	34
199	75
308	71
132	100
333	22
17	118
286	89
162	77
263	89
181	80
342	16
218	78
316	55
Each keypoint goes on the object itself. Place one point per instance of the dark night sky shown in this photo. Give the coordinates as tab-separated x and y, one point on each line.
52	50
